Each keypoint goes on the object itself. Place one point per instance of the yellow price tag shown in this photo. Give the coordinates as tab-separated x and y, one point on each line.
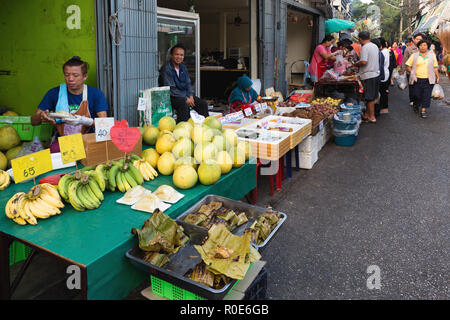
32	165
72	148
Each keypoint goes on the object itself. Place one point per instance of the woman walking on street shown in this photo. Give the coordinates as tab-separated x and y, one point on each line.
423	68
384	82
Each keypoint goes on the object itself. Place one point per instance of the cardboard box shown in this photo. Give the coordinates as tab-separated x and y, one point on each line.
101	152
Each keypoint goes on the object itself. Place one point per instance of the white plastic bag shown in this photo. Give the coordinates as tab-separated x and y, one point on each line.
402	81
438	92
395	74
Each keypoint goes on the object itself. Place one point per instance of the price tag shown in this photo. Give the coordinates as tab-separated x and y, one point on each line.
258	108
197	118
102	129
32	165
321	125
248	112
223	120
240	115
142	104
125	138
72	148
264	106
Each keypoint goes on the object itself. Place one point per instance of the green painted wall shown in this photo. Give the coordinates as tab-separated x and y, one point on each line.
35	41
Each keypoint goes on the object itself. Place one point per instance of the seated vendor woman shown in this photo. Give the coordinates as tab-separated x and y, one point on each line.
73	97
175	75
243	94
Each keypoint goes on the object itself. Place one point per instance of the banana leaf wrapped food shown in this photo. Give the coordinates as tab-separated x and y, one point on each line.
159	237
215	212
263	226
226	254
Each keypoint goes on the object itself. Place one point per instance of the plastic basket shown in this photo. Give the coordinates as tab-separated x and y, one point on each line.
167	290
18	252
26	131
346	140
257	290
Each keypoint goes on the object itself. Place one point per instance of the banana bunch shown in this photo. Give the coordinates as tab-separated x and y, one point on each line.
84	191
146	169
5	180
123	175
41	202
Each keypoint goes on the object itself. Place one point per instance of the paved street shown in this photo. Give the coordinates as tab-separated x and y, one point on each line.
382	202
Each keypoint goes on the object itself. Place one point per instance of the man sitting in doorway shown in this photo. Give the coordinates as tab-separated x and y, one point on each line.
175	75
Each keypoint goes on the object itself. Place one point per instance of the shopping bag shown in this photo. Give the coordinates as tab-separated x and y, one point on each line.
402	81
395	74
158	105
438	92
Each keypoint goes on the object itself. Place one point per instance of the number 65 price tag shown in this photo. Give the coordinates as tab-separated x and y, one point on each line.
31	166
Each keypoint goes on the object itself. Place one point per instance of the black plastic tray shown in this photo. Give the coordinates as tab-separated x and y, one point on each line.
180	263
252	212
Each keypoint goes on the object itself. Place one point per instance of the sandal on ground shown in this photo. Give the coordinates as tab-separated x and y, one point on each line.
423	114
384	111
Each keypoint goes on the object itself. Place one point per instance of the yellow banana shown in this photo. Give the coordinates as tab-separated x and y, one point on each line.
96	189
35	210
24	212
149	170
53	192
43	206
138	165
10	206
63	186
126	185
20	221
5	180
51	201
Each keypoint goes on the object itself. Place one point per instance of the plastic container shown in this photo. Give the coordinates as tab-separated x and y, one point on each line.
18	252
340	124
345	141
258	288
26	131
252	212
350	108
167	290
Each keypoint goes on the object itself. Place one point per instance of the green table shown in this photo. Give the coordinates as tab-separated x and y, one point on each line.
97	240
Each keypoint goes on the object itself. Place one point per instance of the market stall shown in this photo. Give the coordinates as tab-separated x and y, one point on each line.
98	240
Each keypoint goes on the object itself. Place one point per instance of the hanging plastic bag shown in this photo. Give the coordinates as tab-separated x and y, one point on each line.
395	74
402	81
438	92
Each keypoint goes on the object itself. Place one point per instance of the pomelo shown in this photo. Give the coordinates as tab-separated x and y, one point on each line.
181	132
209	172
150	135
205	151
3	161
9	138
166	163
185	177
231	137
238	156
225	162
201	134
151	156
244	147
190	161
184	124
220	142
165	143
213	123
167	123
183	148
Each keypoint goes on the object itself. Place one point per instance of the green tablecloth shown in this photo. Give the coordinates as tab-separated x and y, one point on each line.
100	238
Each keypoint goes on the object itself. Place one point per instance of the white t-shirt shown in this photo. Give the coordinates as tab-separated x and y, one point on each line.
369	53
385	53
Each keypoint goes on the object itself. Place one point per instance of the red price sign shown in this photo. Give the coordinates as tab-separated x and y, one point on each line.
124	137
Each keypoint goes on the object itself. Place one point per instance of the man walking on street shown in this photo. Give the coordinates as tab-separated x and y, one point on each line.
409	51
370	74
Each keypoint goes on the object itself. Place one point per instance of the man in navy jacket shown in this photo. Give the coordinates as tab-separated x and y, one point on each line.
175	75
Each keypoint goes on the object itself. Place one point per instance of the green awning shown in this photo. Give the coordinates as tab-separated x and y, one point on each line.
336	25
435	17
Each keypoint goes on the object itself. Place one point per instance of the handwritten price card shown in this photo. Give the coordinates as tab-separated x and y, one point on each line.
102	129
72	148
32	165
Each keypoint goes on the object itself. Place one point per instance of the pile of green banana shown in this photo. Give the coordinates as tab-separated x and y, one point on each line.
83	190
121	175
41	202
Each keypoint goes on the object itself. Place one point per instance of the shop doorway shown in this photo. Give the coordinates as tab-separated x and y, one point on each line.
299	34
225	44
